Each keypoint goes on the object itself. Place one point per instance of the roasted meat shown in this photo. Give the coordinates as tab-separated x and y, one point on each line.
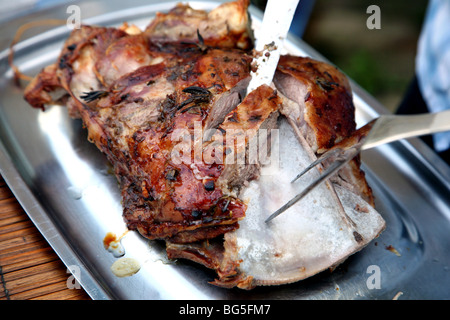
137	93
168	108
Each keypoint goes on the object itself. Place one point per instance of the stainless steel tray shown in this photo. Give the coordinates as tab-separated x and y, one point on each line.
62	181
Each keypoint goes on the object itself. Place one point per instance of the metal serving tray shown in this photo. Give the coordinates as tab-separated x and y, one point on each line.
62	182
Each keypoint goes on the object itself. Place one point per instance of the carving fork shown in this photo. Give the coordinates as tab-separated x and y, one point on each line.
384	129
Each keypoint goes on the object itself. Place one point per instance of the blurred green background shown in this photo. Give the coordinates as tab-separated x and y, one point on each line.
381	61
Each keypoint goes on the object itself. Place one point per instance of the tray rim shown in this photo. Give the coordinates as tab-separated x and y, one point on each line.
62	247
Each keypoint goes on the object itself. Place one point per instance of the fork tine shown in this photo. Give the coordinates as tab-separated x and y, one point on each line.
321	159
343	156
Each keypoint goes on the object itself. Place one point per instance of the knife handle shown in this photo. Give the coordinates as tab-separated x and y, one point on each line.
388	128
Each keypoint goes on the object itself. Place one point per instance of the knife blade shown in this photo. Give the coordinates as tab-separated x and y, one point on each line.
275	26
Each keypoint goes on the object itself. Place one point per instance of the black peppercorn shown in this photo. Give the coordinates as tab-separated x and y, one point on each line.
209	185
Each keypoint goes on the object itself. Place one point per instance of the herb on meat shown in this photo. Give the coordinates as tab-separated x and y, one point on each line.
93	95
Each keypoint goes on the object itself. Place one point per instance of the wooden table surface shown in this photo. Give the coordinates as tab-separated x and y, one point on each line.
29	268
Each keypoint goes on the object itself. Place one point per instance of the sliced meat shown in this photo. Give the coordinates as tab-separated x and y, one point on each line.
324	109
248	128
318	101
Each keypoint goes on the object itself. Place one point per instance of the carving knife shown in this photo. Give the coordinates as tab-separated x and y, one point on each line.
275	26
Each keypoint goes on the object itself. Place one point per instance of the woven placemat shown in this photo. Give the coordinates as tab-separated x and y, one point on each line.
29	268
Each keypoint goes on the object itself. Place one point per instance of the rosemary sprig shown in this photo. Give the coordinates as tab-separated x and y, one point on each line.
198	95
93	95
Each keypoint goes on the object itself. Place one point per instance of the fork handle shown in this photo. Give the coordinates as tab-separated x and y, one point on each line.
389	128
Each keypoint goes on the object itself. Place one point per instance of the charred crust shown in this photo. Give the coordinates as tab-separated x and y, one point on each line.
195	90
326	85
167	107
331	141
72	47
232	73
255	118
173	76
224	208
318	112
196	214
63	61
198	95
172	174
273	96
124	96
209	185
233	117
308	96
93	95
358	237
